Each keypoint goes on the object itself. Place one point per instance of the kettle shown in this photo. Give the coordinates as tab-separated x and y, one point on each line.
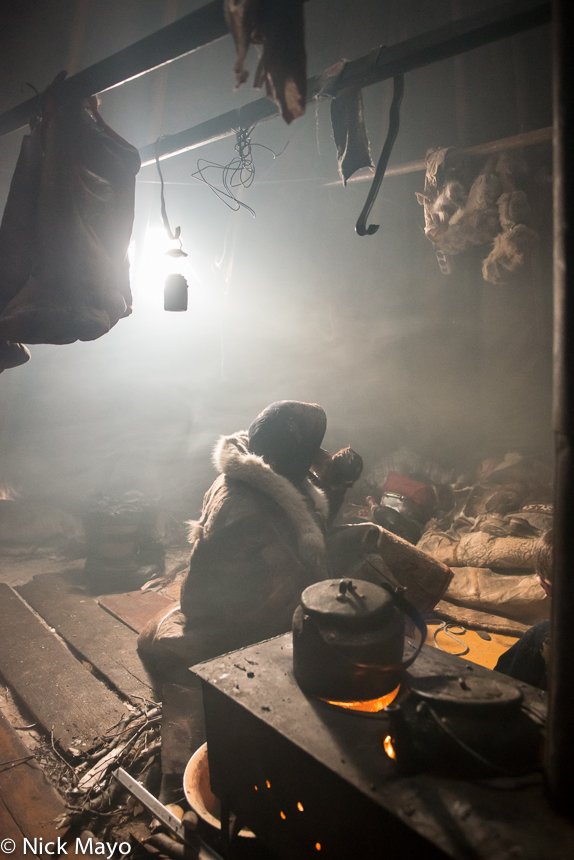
348	639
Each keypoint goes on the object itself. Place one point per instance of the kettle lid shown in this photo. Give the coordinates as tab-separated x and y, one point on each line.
349	602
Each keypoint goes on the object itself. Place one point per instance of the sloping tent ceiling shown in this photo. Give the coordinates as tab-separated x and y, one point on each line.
291	304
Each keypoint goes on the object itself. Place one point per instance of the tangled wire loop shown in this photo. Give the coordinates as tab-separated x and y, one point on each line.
239	172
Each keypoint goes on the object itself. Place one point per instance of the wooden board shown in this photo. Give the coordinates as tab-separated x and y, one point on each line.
102	640
10	830
27	795
61	694
135	608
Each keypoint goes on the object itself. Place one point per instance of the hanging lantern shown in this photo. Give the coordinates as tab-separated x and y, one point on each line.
175	293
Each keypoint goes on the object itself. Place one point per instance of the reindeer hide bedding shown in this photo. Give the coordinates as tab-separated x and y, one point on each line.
479	549
515	597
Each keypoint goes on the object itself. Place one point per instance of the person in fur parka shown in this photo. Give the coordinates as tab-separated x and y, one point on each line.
258	543
264	535
260	539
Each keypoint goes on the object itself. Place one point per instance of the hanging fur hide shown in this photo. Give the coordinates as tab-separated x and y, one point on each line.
66	228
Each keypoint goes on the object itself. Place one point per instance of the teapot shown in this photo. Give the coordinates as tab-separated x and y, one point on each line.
348	639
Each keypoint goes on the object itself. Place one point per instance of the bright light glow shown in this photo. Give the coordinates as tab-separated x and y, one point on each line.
389	748
283	816
371	706
255	787
150	266
300	806
318	846
268	784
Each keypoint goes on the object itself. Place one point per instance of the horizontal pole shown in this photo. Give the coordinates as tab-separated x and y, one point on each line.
498	22
506	19
209	131
517	141
187	34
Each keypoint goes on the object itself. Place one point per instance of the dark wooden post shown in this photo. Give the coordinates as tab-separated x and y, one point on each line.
560	742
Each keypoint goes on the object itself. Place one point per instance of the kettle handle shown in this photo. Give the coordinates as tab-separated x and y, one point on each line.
408	609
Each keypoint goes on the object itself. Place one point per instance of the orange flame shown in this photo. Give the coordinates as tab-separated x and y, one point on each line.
371	706
389	748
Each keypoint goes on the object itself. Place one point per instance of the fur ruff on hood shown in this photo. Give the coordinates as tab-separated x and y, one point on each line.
232	457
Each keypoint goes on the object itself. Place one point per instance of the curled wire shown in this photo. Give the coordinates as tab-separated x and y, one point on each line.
238	173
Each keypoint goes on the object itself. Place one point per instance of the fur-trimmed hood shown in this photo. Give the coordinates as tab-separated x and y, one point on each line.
232	458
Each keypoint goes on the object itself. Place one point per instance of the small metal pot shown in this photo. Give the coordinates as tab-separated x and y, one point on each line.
348	640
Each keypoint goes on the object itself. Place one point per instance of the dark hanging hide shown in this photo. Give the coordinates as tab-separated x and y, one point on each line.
66	228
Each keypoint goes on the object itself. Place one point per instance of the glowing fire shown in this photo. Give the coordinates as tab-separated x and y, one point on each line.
371	706
389	748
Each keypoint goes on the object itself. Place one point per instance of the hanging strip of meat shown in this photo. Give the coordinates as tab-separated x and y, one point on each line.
73	234
279	26
349	132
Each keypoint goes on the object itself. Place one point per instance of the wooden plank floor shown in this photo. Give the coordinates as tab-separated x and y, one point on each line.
25	792
104	641
135	608
10	830
60	692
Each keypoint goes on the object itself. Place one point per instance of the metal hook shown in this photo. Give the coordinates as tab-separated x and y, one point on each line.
394	124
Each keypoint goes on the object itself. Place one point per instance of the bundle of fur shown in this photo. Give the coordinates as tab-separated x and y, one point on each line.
457	219
510	252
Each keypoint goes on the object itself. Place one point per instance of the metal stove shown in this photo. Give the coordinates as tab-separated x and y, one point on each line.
314	781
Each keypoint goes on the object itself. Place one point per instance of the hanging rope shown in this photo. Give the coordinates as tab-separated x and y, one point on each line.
174	236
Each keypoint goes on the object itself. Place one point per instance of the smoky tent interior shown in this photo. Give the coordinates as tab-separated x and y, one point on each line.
221	206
